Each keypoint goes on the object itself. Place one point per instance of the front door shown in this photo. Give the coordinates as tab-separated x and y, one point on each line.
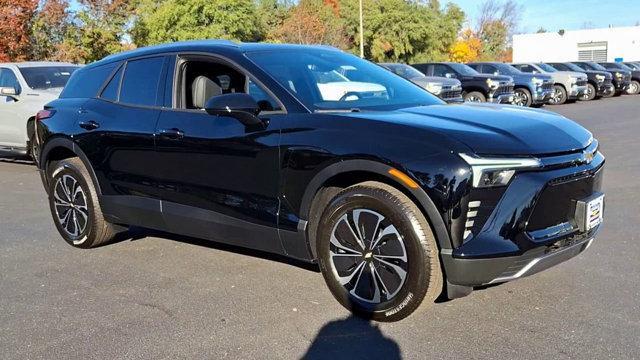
13	118
218	179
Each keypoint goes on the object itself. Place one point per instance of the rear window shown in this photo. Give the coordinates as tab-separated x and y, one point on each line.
47	77
85	83
140	82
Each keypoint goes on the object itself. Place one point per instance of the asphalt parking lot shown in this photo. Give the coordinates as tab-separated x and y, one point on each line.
154	297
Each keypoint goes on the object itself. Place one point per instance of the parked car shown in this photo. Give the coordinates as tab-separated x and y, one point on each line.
476	87
620	78
598	82
389	195
449	90
24	89
529	89
568	85
634	85
633	64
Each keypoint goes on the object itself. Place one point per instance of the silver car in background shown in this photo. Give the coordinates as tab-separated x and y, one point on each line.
568	85
449	90
24	90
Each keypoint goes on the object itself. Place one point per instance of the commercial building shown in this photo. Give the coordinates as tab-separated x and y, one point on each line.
610	44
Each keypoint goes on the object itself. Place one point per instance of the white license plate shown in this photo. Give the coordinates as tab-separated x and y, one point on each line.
593	212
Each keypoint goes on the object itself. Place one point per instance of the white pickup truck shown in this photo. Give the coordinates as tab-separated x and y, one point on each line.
24	89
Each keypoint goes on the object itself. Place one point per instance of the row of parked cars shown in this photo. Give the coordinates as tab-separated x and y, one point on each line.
523	84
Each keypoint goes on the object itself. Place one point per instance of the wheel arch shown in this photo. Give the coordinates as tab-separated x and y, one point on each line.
351	172
63	148
478	89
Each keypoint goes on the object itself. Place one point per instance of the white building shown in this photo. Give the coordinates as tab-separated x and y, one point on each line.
608	44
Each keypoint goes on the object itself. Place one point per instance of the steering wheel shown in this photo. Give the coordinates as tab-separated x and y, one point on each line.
349	94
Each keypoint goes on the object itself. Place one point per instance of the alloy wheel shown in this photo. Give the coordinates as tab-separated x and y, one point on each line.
473	99
556	98
520	98
368	256
632	89
70	204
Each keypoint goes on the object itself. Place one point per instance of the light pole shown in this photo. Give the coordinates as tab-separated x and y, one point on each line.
361	33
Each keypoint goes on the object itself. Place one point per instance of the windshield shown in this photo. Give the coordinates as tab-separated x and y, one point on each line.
633	66
573	67
507	69
546	67
312	77
406	71
463	69
46	77
596	66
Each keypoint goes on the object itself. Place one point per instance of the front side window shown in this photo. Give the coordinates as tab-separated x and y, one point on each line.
9	79
47	77
140	81
547	68
441	70
463	69
327	80
406	71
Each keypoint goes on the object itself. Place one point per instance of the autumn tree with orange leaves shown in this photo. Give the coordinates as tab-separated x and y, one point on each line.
15	20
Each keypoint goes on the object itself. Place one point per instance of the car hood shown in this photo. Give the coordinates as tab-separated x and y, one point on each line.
491	129
526	77
579	75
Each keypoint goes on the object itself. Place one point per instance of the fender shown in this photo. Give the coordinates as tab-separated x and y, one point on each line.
424	201
68	144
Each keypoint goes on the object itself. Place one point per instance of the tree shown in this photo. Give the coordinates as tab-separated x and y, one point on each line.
15	21
48	30
541	30
495	25
272	14
175	20
312	22
467	48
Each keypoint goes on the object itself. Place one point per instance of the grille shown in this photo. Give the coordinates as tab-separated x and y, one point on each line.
547	86
450	94
581	83
504	89
557	202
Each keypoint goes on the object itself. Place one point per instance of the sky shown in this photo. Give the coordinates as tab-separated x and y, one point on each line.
566	14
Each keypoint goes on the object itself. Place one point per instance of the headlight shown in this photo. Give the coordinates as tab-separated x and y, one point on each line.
599	77
434	88
573	79
493	84
619	75
536	81
491	172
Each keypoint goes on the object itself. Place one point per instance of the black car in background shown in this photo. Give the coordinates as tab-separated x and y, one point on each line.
599	83
634	85
620	78
529	89
476	87
388	189
449	90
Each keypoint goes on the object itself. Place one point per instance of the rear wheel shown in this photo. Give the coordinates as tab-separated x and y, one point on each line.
74	205
377	253
559	96
474	96
522	97
590	94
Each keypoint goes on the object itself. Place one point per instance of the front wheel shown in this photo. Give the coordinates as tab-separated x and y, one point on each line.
377	253
522	97
74	205
590	94
559	96
633	88
474	96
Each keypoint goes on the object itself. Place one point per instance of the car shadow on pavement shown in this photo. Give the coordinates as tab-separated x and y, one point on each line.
137	233
352	338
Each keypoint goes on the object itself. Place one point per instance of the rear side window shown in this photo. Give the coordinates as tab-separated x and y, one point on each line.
140	82
110	92
85	83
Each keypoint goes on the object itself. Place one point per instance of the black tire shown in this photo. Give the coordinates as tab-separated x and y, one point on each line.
474	96
559	96
609	94
408	237
32	151
633	88
590	94
522	97
70	183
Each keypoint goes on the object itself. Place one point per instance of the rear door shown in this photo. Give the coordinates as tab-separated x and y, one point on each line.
13	118
117	131
219	180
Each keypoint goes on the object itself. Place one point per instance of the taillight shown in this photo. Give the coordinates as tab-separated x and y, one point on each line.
44	114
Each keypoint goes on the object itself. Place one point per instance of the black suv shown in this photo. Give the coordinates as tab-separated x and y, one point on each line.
599	83
620	78
476	87
634	84
276	148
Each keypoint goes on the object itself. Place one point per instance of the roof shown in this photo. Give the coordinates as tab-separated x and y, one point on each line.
37	64
207	45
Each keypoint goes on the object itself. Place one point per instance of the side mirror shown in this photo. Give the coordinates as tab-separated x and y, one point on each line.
237	105
9	91
496	72
450	75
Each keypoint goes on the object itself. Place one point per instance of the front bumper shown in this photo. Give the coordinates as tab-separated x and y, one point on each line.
576	91
506	98
542	96
621	86
525	228
605	89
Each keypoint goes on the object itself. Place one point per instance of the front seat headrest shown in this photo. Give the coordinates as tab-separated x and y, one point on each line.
202	90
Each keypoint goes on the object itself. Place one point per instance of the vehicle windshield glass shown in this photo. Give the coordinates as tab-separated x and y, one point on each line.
46	77
463	69
333	80
625	67
406	71
546	67
595	66
507	69
573	67
633	66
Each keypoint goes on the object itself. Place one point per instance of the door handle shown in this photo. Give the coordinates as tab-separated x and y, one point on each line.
89	125
172	134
